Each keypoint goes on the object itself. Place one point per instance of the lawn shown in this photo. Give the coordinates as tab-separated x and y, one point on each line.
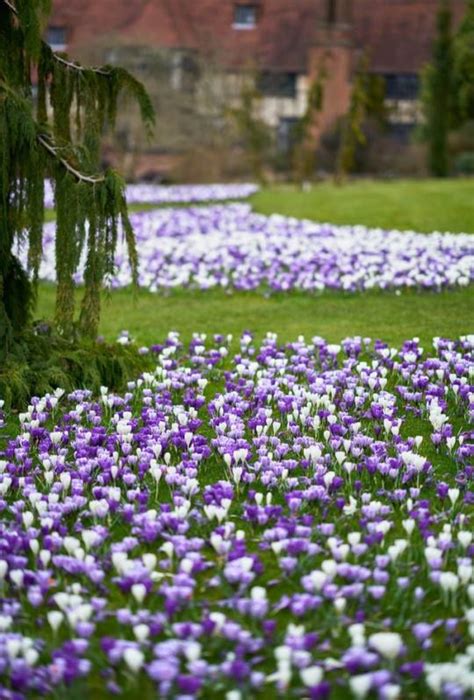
418	205
332	315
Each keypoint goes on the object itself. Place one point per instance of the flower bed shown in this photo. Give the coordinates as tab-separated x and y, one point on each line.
233	248
289	522
142	193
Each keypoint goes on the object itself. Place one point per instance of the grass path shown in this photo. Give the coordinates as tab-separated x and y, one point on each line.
332	315
419	205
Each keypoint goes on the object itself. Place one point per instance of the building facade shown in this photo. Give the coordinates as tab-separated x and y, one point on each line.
284	41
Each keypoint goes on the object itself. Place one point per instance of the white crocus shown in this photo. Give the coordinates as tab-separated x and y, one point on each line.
453	495
55	619
141	632
134	658
360	685
311	676
388	644
448	581
139	592
464	538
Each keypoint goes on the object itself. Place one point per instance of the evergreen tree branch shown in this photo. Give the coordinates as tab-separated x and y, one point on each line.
46	142
11	6
36	141
53	150
77	66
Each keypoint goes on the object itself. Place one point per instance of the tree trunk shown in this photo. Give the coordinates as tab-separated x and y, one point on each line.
90	307
64	311
16	296
90	310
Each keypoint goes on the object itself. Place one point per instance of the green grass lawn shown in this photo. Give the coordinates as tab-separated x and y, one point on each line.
332	315
419	205
423	205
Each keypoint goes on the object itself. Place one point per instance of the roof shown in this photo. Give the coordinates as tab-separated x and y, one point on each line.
398	33
284	32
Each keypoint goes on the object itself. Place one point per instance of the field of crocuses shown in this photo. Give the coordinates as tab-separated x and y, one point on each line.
143	193
229	246
287	521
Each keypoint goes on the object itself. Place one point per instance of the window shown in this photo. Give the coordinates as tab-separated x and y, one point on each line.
184	72
277	84
402	86
286	134
56	37
245	16
331	11
401	132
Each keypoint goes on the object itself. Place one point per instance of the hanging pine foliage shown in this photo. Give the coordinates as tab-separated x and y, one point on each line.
56	136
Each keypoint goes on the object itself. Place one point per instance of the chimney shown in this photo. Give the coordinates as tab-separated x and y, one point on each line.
337	13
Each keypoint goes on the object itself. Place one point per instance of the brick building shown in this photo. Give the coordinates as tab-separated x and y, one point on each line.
284	40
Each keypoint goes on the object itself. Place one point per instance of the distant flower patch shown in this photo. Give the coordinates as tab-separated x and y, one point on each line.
292	521
230	247
142	193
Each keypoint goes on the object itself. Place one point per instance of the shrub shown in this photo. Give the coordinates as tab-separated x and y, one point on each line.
464	163
43	361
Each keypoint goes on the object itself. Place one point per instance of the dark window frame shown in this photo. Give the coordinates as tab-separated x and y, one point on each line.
56	35
286	134
401	132
245	15
402	86
272	84
331	11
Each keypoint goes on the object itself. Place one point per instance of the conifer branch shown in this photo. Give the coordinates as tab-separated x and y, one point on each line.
46	143
77	66
12	7
53	150
36	143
